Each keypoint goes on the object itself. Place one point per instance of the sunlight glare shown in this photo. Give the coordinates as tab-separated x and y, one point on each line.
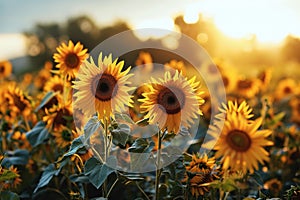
165	24
191	14
270	21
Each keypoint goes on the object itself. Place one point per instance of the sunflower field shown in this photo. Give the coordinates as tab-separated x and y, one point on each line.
80	129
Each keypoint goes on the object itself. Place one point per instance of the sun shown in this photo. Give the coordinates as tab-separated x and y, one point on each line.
241	19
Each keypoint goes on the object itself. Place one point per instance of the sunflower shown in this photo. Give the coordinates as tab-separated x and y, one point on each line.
135	111
274	185
247	88
55	84
175	65
69	58
242	109
17	101
240	144
286	88
265	77
229	80
58	116
145	60
295	105
199	173
41	78
172	101
20	139
5	69
13	182
105	86
64	136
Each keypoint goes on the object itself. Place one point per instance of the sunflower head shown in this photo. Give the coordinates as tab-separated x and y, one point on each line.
12	182
176	65
233	107
286	88
17	101
199	173
64	136
69	58
145	60
5	69
55	84
241	144
295	105
274	185
265	77
58	116
41	78
102	88
172	102
247	88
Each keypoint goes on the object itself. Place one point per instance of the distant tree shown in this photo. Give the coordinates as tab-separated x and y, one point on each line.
291	49
44	38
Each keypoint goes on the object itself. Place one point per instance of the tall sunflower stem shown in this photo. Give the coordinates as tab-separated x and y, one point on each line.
158	169
65	91
26	123
106	146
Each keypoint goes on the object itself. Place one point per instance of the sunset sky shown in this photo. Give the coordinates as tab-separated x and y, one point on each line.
269	20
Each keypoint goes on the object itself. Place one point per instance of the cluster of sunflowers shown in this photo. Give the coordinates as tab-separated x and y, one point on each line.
64	129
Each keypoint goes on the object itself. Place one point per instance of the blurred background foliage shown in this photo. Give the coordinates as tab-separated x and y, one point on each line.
43	38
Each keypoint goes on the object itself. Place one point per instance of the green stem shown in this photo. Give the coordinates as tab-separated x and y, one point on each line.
105	194
142	191
111	188
158	170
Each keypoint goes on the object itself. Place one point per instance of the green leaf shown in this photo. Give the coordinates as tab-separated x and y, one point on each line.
75	146
45	100
38	134
98	172
143	122
8	195
17	157
140	150
177	189
121	134
229	185
7	175
176	170
257	178
140	145
91	127
47	175
121	117
79	178
163	191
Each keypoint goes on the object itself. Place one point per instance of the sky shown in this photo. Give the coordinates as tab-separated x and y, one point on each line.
269	20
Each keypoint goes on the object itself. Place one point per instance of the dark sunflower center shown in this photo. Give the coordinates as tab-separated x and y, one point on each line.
202	165
171	99
287	90
57	87
105	88
275	186
61	117
238	140
262	77
244	84
19	103
225	81
2	69
72	60
66	135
